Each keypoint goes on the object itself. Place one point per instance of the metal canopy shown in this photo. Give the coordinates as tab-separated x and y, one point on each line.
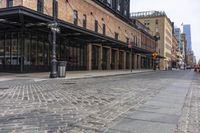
21	17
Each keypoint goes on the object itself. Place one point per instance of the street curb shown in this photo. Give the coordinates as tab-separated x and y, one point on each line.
100	76
76	78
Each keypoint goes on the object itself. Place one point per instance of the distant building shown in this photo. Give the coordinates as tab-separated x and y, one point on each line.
180	47
174	52
183	50
187	31
159	24
194	60
177	32
190	58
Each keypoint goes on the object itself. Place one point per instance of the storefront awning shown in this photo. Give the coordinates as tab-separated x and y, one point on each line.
161	57
21	17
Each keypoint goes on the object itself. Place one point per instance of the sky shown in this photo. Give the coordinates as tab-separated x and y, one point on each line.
179	11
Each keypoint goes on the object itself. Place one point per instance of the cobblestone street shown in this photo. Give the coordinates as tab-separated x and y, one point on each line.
91	105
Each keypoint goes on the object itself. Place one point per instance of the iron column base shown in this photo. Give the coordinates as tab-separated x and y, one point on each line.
53	73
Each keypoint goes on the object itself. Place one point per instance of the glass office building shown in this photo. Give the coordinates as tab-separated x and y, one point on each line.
187	31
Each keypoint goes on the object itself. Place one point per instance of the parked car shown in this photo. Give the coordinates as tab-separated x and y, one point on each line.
188	67
196	69
182	68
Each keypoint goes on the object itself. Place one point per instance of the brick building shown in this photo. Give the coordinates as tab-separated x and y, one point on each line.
94	35
159	24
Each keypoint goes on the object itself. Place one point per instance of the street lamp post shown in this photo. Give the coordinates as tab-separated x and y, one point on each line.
131	57
54	28
155	54
130	45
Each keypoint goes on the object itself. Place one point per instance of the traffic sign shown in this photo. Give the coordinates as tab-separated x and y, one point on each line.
155	54
130	45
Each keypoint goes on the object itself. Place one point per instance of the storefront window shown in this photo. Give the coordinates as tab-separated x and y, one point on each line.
127	60
14	49
8	49
114	57
34	50
40	50
58	50
77	57
62	52
105	62
2	61
74	57
46	51
82	57
37	52
95	57
67	49
27	49
70	56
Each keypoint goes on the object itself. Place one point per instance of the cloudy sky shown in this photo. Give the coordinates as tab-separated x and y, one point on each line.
179	11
